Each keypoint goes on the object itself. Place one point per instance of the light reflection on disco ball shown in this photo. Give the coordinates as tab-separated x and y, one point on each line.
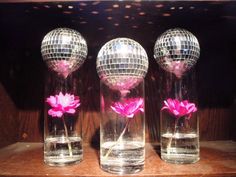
64	50
122	63
176	51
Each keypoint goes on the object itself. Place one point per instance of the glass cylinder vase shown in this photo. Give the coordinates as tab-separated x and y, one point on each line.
179	120
122	130
62	125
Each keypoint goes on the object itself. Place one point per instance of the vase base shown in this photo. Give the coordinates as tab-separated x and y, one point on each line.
180	148
62	162
58	151
123	158
179	160
122	170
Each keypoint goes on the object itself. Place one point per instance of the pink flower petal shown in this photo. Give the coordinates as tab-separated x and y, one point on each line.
62	104
141	109
54	113
71	111
51	101
130	116
129	108
179	108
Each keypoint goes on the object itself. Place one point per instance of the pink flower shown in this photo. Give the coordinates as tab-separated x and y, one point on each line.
62	104
129	108
179	108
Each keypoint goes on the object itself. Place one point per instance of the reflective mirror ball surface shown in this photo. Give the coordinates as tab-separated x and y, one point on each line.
122	63
176	51
64	50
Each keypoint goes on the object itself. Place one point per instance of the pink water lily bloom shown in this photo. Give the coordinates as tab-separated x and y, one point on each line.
62	104
129	108
179	108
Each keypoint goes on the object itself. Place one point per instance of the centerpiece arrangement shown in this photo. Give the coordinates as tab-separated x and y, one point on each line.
64	51
177	51
122	64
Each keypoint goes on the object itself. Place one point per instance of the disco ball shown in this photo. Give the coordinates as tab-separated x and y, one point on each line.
176	51
122	63
64	50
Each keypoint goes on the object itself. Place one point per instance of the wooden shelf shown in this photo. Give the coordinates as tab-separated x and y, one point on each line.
218	158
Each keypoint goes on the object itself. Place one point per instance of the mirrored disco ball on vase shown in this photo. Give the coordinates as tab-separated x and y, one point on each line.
122	63
64	50
177	50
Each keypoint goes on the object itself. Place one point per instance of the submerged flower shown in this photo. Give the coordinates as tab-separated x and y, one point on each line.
62	104
179	108
129	108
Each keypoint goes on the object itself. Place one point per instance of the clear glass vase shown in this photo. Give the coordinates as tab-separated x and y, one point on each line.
179	120
62	125
122	130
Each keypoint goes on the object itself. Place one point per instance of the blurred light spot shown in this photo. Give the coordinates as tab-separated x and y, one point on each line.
142	13
47	6
67	12
150	22
100	28
192	7
109	18
127	6
135	26
83	22
96	3
95	12
166	15
116	24
70	7
82	4
59	6
159	6
137	4
115	6
126	16
108	10
35	7
172	8
180	8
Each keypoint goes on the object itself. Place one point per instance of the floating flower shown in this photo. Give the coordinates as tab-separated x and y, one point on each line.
179	108
129	108
62	104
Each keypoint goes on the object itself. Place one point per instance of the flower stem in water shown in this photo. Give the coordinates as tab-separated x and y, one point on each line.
119	139
174	132
67	137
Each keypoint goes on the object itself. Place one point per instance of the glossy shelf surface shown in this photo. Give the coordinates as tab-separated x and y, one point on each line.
218	158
